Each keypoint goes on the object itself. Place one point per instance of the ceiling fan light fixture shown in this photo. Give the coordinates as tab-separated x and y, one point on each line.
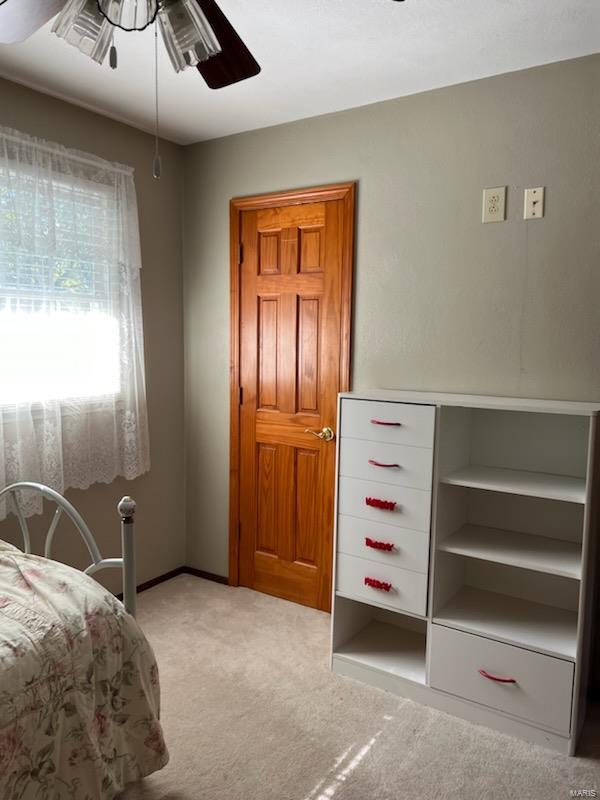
129	15
82	24
186	32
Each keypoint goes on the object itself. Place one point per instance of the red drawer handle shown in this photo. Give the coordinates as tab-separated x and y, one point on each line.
374	463
386	505
388	424
491	677
375	584
379	545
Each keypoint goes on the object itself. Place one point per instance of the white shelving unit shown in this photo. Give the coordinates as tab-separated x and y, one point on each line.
512	481
388	649
538	553
535	626
513	514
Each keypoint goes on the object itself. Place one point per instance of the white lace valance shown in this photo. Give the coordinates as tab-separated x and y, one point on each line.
72	386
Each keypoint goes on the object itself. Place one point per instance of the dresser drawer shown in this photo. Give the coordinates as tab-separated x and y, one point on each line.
396	423
411	510
397	464
410	548
408	591
542	693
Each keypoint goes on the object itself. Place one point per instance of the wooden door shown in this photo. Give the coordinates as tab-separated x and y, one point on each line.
294	290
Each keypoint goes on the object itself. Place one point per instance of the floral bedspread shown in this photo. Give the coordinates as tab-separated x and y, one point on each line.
79	692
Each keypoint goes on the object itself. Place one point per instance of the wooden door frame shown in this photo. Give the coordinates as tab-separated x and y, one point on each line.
339	191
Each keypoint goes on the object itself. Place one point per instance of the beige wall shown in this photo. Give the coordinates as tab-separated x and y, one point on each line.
161	533
442	301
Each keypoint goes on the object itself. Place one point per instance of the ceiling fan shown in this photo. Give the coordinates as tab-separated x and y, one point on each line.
196	33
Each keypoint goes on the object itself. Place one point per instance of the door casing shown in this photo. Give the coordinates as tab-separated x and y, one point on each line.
340	191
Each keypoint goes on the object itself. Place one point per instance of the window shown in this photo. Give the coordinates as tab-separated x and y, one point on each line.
72	394
56	301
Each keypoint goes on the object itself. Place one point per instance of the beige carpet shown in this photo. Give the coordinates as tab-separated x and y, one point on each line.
251	712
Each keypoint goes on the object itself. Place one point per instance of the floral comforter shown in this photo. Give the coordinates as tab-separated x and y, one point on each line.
79	693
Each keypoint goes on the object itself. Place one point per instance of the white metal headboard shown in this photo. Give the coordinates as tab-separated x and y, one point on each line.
126	508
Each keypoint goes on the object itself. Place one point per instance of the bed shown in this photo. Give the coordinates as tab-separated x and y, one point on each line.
79	688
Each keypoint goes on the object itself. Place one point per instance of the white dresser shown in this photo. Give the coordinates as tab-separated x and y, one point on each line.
465	542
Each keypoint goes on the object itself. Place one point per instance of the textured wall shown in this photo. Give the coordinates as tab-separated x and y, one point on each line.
161	535
441	301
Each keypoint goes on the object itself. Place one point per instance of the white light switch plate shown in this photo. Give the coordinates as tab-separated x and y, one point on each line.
494	204
533	207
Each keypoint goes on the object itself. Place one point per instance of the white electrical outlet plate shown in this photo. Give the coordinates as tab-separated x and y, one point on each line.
533	207
494	204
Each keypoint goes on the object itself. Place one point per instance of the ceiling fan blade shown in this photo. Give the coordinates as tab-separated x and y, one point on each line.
20	18
235	62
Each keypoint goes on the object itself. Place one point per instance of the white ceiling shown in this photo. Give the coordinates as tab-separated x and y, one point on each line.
317	56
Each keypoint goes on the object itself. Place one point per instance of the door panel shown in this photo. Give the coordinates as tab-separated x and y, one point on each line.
312	253
269	252
268	316
294	299
266	533
307	489
308	355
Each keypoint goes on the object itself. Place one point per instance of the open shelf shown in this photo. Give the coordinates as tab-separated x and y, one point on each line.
508	619
539	553
389	649
513	481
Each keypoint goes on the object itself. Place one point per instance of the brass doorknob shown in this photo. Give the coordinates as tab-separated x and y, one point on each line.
326	434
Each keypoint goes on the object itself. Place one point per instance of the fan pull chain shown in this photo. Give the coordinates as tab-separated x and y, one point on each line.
157	165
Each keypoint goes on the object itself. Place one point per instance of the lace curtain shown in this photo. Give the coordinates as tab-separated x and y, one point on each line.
72	386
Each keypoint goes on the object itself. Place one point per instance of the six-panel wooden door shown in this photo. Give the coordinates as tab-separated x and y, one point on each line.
294	308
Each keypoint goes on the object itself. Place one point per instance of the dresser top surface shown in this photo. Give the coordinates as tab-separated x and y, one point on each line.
585	409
